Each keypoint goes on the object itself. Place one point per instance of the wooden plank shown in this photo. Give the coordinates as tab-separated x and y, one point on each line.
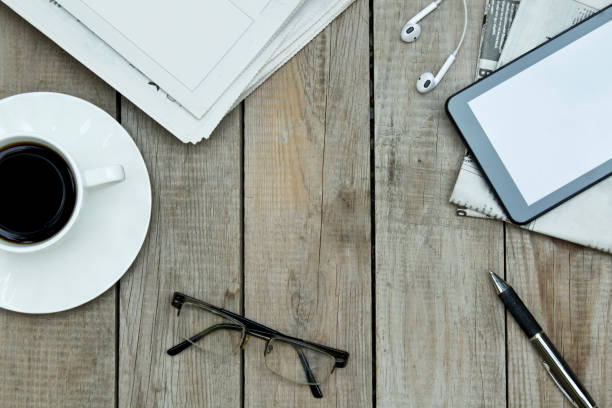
194	247
439	328
569	290
65	359
307	213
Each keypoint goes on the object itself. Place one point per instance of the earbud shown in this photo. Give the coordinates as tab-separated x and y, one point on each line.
412	30
427	81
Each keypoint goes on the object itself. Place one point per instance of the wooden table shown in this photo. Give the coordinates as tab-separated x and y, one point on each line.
319	207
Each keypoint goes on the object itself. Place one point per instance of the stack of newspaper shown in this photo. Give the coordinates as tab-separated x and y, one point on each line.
186	70
510	29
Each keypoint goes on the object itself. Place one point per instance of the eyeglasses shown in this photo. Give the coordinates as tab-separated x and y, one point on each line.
224	333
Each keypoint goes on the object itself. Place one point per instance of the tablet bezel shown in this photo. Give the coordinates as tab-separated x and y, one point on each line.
485	154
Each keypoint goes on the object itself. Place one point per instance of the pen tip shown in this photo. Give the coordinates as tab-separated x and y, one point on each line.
500	284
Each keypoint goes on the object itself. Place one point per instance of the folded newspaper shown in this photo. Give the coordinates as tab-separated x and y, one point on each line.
585	219
55	22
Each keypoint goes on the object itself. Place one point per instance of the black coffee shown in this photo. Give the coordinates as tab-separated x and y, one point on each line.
37	193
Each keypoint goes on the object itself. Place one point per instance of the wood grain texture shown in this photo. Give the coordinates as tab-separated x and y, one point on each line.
439	328
194	247
66	359
569	290
307	213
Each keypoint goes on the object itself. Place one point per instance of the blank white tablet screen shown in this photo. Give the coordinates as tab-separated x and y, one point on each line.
552	123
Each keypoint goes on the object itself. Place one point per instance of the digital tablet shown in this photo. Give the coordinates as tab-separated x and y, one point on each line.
541	126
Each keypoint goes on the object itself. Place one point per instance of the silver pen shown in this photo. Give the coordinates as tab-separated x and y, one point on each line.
553	363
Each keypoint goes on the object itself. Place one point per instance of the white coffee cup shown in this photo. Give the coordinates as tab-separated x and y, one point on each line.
84	179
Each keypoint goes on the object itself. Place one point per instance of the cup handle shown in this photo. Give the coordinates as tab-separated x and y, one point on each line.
103	175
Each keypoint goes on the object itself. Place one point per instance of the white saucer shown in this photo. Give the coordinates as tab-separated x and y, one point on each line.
112	225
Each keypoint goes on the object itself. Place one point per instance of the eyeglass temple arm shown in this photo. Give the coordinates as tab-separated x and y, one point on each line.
314	388
340	355
262	331
185	344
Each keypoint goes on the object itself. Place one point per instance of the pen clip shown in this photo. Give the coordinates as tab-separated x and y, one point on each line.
556	381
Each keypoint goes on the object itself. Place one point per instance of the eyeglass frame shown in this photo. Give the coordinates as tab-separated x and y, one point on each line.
252	328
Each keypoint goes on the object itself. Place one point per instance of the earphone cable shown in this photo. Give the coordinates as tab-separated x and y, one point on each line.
465	23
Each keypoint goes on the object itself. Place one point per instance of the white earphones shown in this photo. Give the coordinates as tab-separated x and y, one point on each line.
411	31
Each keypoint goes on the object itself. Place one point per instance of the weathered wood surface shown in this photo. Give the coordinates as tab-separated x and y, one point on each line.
276	210
194	247
307	213
569	290
66	359
439	328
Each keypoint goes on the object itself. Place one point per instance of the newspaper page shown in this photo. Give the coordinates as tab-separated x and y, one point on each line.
74	37
497	21
194	50
542	20
585	219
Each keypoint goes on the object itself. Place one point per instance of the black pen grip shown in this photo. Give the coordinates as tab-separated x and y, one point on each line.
519	311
